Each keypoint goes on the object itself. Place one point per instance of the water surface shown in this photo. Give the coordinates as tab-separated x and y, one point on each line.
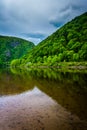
43	100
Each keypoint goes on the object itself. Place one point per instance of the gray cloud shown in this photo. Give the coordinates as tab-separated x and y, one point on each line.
37	18
68	12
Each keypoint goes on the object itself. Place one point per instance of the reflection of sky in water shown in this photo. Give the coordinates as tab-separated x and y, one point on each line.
28	95
33	110
67	89
30	92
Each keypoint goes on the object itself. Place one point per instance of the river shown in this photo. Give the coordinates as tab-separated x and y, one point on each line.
43	99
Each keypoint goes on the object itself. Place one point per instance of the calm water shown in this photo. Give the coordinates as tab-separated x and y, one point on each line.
43	99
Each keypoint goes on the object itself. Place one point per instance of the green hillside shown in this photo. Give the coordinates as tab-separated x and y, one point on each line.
13	48
68	44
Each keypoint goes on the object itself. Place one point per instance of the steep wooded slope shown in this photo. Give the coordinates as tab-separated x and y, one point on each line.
69	43
13	48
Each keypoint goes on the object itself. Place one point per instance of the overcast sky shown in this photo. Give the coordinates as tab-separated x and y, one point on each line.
36	19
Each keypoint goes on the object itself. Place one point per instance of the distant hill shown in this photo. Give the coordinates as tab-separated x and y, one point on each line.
69	43
13	48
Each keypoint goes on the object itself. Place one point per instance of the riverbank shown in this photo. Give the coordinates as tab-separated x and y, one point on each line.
72	65
60	65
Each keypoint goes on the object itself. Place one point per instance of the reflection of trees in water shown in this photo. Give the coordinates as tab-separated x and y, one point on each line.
67	89
14	84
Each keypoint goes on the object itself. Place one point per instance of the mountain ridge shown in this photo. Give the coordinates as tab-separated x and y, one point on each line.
67	44
13	48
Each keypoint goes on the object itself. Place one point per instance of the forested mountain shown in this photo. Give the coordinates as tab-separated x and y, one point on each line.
13	48
69	43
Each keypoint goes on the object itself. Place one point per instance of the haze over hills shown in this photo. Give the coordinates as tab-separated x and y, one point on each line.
13	48
69	43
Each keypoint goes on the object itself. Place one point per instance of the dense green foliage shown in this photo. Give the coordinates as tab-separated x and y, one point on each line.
68	44
13	48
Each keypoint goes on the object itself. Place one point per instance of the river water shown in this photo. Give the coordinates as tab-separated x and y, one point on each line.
43	99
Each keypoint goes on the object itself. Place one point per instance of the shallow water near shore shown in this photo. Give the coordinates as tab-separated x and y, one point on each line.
43	100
